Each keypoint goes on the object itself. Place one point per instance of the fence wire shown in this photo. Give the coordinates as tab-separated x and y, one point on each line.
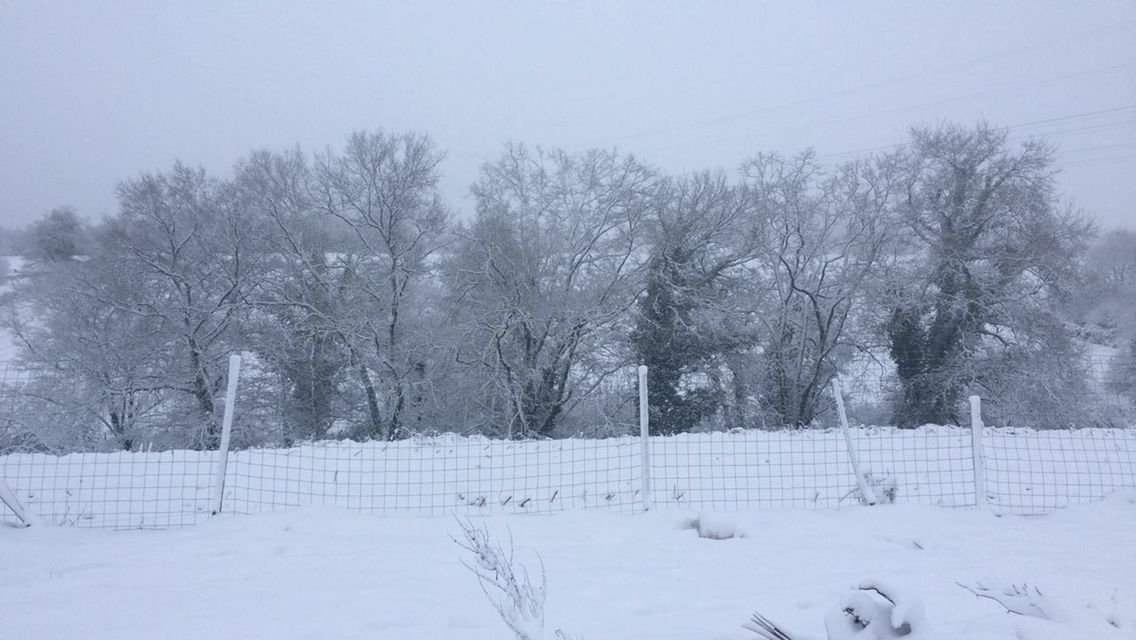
438	475
113	490
1035	472
810	468
1028	472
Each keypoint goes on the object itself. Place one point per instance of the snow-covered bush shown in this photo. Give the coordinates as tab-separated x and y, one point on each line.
507	584
1063	617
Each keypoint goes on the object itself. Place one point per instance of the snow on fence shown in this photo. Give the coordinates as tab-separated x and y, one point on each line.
1026	472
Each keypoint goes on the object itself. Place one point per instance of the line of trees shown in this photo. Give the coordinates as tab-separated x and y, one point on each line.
370	310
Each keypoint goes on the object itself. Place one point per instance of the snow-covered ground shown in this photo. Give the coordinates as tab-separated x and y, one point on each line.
334	574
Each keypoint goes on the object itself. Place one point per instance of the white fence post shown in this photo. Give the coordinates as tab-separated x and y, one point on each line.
976	428
866	492
226	433
8	497
645	439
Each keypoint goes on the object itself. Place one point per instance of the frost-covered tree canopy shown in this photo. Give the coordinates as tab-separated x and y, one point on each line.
370	308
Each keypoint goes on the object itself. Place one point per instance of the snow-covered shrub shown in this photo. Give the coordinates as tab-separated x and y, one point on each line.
1064	617
507	584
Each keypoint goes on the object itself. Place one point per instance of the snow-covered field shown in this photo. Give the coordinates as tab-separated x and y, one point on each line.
1027	472
315	573
303	555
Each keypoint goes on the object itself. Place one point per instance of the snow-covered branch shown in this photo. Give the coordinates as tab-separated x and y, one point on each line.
506	583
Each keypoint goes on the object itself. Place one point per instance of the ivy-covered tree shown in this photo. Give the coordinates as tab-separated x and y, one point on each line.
989	243
704	228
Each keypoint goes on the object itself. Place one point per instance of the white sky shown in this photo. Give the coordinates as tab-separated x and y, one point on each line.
94	92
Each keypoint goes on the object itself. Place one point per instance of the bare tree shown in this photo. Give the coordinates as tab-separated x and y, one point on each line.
549	265
58	235
384	190
71	337
1103	305
827	241
1106	294
192	256
299	328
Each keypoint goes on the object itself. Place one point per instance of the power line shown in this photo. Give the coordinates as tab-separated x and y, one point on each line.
874	85
1072	117
872	114
1088	115
1042	134
1057	133
1107	147
1092	162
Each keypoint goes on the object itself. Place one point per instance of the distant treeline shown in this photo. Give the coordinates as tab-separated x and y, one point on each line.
368	310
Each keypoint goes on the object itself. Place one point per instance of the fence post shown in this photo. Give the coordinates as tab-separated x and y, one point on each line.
976	428
644	439
866	492
226	433
8	497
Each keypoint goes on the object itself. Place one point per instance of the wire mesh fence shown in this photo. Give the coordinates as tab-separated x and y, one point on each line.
438	475
1034	472
810	468
1102	395
113	490
1028	472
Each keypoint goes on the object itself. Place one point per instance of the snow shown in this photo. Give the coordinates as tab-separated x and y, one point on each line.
322	573
716	526
907	609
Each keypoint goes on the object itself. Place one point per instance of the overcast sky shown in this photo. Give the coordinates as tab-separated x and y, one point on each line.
92	93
